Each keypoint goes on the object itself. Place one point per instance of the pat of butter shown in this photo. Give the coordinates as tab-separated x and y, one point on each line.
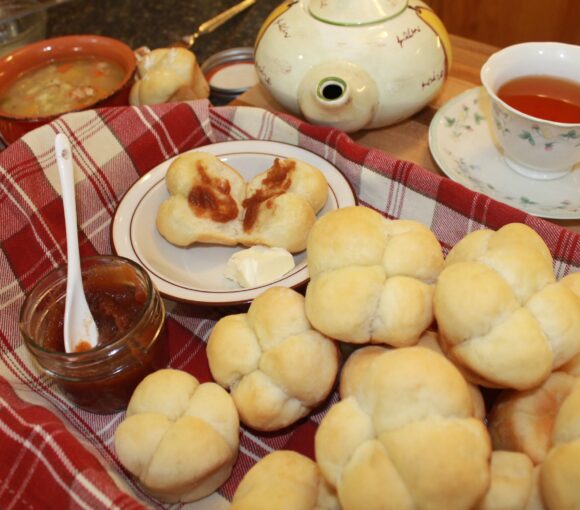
258	265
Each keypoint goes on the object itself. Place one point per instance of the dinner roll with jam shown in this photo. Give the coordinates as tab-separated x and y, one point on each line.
275	365
405	436
210	202
284	480
179	438
544	423
502	316
371	279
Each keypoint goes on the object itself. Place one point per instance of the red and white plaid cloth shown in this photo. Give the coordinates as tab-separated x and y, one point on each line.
53	455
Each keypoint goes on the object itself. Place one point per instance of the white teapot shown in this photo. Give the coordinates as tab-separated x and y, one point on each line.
353	64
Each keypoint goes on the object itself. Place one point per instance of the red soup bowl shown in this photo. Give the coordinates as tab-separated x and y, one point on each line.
63	50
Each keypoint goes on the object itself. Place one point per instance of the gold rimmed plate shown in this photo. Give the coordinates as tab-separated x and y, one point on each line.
196	274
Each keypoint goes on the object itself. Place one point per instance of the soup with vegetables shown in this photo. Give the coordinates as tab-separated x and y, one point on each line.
61	86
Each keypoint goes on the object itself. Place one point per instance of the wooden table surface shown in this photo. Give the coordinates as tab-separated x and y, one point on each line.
409	140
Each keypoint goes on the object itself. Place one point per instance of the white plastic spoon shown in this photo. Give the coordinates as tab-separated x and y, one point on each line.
80	330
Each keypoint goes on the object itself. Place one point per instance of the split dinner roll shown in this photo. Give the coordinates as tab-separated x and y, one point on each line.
502	316
168	75
276	366
371	279
544	423
180	438
284	480
405	437
210	202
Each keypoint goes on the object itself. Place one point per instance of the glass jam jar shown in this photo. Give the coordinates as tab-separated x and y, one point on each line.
130	317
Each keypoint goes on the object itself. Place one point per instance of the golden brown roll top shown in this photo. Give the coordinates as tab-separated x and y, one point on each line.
501	314
371	279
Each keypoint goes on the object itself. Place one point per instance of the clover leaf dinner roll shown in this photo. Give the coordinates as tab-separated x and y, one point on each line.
405	437
275	365
284	480
502	316
371	279
179	438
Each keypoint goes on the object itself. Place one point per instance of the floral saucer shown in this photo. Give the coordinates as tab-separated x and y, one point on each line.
462	145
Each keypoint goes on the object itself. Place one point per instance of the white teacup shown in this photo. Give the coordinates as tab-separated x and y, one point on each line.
533	147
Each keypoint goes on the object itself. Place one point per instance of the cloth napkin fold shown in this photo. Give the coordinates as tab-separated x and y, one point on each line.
53	455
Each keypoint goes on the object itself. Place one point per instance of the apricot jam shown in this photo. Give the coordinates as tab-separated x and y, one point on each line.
277	181
130	318
212	198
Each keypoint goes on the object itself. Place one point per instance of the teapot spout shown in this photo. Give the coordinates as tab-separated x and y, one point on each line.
338	94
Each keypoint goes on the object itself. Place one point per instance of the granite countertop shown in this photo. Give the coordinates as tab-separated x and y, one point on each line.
157	23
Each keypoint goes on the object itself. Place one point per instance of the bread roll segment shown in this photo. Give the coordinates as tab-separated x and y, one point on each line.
501	314
179	438
512	483
371	279
214	213
284	480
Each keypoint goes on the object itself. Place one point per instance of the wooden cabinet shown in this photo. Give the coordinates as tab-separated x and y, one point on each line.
505	22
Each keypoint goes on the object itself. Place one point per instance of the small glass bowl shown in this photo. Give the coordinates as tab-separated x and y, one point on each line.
22	30
102	379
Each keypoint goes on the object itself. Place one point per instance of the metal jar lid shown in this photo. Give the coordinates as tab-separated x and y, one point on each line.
230	73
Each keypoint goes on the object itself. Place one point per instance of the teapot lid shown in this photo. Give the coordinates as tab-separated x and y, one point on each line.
359	12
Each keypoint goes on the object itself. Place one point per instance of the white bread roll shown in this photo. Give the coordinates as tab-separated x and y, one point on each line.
211	203
502	316
284	480
276	366
179	438
371	279
167	75
405	437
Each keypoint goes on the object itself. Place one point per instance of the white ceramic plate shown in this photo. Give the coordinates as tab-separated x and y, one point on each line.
463	147
195	274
